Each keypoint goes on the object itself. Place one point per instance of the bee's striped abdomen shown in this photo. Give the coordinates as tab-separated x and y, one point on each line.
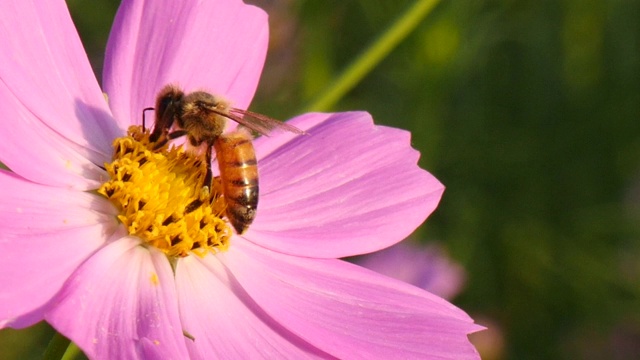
239	177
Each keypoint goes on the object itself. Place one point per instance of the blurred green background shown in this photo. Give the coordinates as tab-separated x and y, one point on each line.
529	113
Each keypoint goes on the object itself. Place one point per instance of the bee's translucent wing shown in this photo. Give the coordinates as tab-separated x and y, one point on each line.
260	123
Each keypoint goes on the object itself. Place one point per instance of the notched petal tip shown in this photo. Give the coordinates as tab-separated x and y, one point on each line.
349	311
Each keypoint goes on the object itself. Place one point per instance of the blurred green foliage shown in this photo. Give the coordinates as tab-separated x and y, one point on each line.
529	113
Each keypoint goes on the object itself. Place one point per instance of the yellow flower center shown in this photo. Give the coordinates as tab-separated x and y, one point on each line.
161	198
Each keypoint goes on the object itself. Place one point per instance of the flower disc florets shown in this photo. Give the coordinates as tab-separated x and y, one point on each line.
161	197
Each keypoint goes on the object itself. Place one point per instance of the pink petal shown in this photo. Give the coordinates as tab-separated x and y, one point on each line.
348	311
121	304
36	152
219	46
46	234
347	188
45	68
224	321
28	208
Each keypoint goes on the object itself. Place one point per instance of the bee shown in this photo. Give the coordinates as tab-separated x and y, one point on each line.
202	117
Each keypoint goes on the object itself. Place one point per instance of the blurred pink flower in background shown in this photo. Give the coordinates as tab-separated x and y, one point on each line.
280	289
425	266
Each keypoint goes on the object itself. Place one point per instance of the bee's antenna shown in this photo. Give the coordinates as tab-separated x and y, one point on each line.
143	111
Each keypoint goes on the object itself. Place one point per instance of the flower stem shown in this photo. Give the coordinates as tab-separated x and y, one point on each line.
57	347
73	352
61	348
372	56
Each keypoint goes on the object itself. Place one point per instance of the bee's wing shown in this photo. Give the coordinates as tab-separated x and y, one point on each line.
260	123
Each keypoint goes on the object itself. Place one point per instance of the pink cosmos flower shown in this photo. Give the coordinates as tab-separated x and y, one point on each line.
279	290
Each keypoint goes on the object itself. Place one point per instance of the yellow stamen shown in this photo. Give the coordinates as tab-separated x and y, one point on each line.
161	198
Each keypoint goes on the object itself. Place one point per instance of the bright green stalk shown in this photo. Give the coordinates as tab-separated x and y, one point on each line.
61	348
372	56
56	348
73	352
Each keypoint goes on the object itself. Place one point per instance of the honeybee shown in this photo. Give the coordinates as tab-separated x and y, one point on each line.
202	117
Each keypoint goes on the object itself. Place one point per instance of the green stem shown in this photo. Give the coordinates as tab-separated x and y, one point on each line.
57	347
372	56
73	352
61	348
